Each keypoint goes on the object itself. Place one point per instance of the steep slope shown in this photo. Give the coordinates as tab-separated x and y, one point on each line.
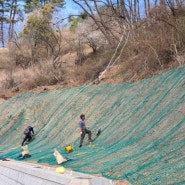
143	126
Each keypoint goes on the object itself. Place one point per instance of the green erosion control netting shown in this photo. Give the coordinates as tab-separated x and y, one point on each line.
143	128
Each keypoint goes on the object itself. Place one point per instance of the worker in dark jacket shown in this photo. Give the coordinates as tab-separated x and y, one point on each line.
83	129
28	132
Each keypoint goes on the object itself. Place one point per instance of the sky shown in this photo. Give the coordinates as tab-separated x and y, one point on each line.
71	8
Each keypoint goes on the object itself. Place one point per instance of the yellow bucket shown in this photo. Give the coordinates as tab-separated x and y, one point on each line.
68	149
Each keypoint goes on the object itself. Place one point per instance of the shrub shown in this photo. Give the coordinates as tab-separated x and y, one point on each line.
46	74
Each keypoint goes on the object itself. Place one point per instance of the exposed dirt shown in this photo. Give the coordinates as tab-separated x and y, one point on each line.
122	182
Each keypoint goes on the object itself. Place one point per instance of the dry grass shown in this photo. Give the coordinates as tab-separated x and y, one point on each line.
129	68
26	79
4	57
148	51
3	50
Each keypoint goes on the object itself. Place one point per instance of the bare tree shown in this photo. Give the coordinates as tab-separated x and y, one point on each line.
93	10
90	35
39	39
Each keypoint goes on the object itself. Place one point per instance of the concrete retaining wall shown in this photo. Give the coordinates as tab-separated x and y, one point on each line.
21	173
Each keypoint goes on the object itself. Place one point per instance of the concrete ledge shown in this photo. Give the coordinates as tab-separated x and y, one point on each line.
22	173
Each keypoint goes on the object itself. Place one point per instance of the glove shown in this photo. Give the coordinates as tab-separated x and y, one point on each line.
80	133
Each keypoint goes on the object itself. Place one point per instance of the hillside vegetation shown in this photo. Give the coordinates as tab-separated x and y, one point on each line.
114	44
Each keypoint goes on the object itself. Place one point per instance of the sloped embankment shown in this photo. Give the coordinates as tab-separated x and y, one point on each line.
143	126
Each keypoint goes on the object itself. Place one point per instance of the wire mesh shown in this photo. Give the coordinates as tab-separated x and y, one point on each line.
142	124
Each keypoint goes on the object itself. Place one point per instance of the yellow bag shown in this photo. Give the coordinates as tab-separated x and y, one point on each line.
68	149
60	170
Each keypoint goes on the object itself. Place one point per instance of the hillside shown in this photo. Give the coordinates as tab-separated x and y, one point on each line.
142	125
15	80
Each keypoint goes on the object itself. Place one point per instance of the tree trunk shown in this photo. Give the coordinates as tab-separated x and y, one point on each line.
2	24
13	11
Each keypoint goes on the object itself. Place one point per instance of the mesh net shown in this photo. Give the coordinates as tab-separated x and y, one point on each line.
143	130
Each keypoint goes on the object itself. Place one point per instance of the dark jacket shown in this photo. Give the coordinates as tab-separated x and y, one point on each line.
28	130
